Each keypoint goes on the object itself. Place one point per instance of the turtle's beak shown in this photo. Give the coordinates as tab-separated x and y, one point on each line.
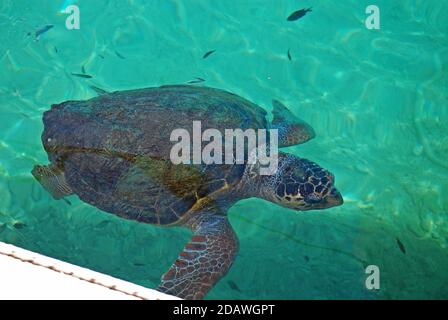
334	198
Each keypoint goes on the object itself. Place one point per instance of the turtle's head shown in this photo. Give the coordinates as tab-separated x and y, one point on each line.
301	185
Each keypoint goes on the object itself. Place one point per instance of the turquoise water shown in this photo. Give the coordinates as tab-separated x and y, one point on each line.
377	100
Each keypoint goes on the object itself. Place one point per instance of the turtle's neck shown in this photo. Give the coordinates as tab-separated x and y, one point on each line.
255	185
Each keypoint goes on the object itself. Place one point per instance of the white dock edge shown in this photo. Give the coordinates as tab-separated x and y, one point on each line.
28	275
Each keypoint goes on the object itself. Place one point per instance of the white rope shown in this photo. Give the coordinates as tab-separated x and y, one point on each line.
83	274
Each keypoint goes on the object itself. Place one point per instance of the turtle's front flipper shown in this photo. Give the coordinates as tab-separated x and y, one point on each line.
53	180
291	129
204	260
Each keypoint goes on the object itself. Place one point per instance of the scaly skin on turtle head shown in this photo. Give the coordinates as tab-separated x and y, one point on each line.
297	184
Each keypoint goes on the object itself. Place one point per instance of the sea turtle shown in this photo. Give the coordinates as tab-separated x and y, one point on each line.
113	152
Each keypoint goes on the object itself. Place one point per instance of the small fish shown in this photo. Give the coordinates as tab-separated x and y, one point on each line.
119	55
138	264
207	54
233	286
296	15
401	246
42	30
307	258
23	114
196	80
83	69
101	56
67	201
289	55
19	225
56	50
87	76
99	91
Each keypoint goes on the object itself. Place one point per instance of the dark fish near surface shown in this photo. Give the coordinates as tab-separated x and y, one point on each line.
296	15
196	80
401	246
99	91
289	55
233	286
43	30
87	76
83	69
207	54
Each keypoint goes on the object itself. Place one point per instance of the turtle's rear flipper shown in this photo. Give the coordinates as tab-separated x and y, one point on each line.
53	180
291	129
204	260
